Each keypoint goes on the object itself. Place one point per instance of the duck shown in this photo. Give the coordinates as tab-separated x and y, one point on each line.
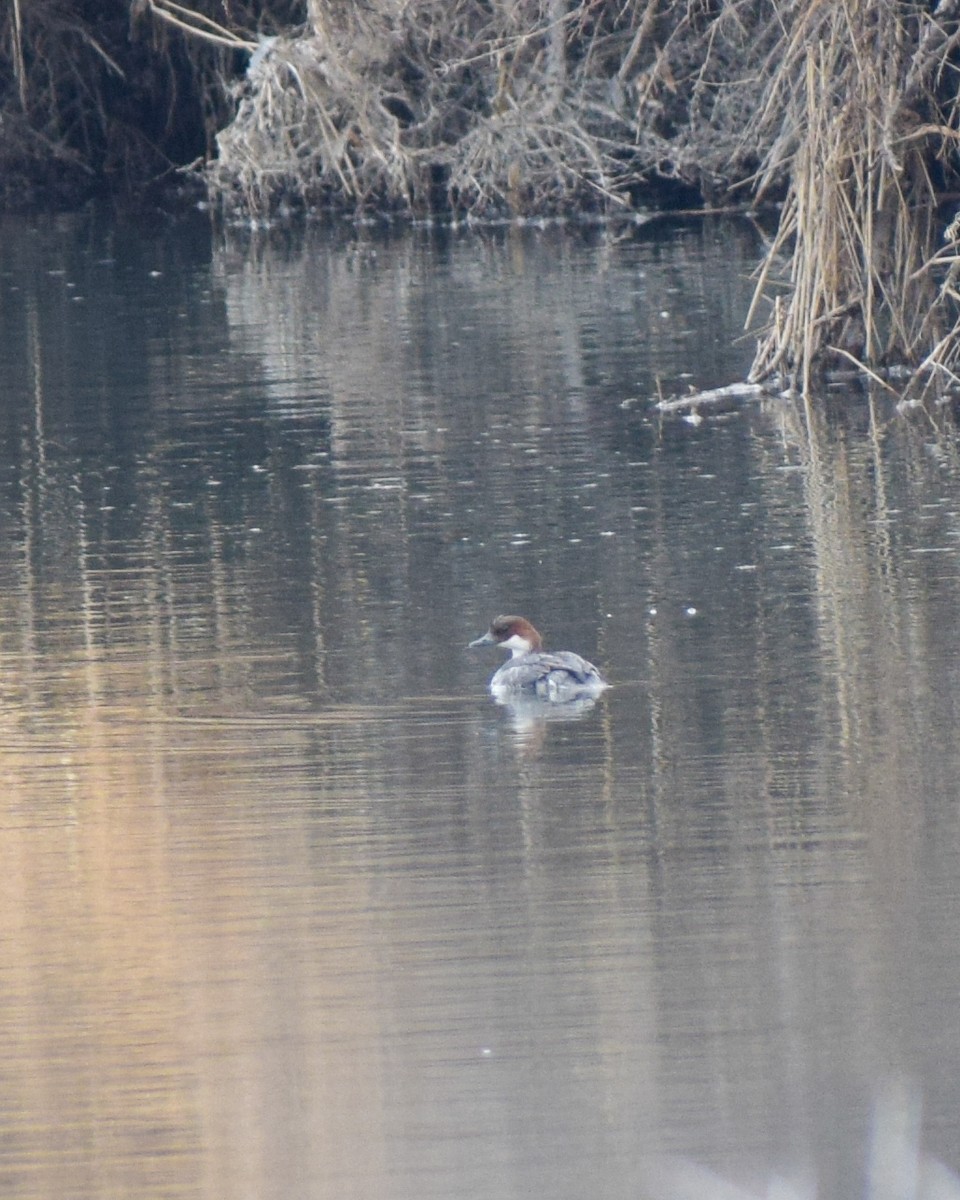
556	676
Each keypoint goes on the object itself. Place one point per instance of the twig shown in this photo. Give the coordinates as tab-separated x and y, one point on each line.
188	20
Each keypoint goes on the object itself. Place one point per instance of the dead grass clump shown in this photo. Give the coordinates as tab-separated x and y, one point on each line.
531	106
411	109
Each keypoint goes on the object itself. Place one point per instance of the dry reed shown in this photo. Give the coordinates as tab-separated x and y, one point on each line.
534	106
865	105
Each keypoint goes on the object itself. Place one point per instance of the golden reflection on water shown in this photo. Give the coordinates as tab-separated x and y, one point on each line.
203	969
271	930
158	902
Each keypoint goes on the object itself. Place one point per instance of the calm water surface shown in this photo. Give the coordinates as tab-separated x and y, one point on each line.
291	908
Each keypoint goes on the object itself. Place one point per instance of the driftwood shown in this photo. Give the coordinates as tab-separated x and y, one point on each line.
717	400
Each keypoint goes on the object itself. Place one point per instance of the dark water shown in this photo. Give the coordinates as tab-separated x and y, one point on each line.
291	908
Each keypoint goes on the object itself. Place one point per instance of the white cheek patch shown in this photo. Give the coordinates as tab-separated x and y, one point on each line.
516	643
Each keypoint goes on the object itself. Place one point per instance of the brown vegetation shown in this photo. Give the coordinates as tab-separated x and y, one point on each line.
863	115
847	108
531	106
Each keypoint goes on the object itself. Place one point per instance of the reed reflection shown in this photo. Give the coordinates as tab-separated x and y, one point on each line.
277	873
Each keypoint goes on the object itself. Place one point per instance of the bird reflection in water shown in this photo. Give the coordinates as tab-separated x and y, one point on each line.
529	717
